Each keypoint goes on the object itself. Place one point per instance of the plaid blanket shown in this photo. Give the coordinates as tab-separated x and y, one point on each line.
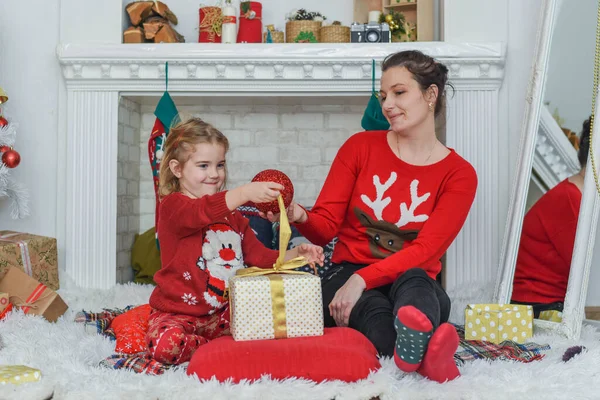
468	350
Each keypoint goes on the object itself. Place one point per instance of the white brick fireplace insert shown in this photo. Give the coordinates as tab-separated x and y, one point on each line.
97	75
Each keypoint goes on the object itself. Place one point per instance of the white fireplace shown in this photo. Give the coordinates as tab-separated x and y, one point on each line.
97	76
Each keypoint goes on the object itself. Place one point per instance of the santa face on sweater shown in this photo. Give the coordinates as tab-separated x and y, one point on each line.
221	258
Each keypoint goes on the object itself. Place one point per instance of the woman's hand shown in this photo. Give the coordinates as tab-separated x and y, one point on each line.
312	253
295	213
262	192
345	299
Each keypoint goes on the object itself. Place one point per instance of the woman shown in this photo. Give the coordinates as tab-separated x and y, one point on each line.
547	240
396	200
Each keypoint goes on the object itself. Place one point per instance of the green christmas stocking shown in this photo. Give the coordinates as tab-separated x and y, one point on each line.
373	119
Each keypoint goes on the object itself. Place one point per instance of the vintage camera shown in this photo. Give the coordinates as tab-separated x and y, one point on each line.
373	32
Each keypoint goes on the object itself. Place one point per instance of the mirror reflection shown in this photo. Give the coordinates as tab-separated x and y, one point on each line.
561	153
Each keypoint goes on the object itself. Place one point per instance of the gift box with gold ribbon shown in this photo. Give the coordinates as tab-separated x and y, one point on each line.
498	322
276	303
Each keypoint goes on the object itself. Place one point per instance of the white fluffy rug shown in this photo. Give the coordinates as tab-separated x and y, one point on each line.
68	357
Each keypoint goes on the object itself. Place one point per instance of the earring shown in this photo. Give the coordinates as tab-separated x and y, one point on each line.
430	106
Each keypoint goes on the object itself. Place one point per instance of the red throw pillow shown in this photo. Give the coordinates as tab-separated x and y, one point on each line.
340	354
130	329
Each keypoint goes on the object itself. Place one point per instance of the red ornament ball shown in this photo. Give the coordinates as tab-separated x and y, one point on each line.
11	158
4	149
3	122
273	175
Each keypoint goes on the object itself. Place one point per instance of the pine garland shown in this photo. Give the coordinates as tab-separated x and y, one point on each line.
303	15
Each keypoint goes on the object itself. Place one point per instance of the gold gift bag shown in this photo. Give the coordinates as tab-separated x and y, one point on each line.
276	303
498	322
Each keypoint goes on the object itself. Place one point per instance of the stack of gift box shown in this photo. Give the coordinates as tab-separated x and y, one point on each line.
29	275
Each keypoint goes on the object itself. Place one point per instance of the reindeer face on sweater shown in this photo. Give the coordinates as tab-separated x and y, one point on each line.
386	237
222	251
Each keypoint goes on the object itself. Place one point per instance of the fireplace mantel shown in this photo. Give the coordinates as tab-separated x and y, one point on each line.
285	69
95	75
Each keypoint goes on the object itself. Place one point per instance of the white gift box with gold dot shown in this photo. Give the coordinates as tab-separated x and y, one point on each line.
498	322
275	306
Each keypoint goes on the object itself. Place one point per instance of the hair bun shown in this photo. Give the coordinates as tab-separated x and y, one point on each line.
442	68
587	124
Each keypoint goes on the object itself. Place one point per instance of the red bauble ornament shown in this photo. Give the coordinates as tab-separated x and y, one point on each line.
4	149
273	175
3	121
11	158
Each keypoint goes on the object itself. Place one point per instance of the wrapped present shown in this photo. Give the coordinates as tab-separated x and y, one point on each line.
276	303
551	315
33	254
210	24
250	29
5	306
5	312
17	374
3	301
32	296
498	322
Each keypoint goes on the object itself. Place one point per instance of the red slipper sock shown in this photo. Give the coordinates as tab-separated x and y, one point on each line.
438	363
413	330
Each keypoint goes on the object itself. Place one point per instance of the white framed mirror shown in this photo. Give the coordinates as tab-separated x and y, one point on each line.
554	281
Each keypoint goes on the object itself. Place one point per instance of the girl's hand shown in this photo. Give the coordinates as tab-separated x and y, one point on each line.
262	192
295	213
345	299
312	253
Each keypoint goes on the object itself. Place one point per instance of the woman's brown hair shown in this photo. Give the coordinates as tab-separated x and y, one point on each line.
180	143
425	70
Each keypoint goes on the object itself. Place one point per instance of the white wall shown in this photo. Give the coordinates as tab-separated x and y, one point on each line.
30	74
128	185
571	66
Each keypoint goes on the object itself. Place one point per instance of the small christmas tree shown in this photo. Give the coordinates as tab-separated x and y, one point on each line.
10	159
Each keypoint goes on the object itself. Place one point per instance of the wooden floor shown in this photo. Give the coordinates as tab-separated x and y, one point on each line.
592	313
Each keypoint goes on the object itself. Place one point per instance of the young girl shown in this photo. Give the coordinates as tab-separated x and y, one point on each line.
203	241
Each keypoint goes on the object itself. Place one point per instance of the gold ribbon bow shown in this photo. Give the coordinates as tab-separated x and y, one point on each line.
274	274
280	266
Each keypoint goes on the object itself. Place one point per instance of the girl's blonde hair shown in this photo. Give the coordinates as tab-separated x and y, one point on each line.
180	144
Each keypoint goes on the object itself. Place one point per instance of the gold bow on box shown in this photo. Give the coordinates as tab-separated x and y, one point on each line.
313	325
280	266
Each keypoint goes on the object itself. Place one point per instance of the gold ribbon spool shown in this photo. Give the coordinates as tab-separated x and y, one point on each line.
280	267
